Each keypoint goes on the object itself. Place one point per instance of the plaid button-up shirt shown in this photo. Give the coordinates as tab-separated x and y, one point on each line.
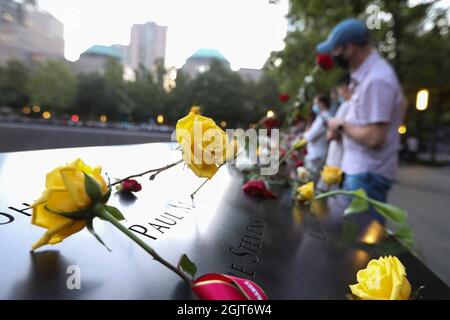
377	98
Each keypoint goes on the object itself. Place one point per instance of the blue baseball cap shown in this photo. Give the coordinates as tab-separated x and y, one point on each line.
348	31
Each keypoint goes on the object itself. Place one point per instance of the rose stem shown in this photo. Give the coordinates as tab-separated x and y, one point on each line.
198	189
107	216
158	171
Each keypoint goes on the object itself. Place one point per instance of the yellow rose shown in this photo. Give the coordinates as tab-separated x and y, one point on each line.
383	279
65	192
305	192
205	145
299	144
195	109
331	175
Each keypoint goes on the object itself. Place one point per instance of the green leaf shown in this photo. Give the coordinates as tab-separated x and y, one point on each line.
187	266
75	215
115	213
107	195
405	234
358	204
92	188
388	211
90	227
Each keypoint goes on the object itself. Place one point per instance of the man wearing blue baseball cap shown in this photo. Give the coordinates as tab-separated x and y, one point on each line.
370	129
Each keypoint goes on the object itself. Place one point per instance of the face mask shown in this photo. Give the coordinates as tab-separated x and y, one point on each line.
341	62
341	100
316	109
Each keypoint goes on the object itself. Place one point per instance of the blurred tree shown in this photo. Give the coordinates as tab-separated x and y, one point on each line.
145	97
91	97
53	86
220	93
179	99
13	78
116	98
310	22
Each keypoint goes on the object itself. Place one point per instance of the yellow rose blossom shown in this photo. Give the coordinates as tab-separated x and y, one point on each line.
64	192
195	109
205	145
305	192
383	279
331	175
299	144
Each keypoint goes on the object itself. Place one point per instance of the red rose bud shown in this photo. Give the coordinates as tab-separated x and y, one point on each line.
130	185
325	61
257	188
284	97
299	163
216	286
271	123
282	153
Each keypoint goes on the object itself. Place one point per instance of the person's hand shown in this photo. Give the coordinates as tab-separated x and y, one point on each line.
332	135
334	123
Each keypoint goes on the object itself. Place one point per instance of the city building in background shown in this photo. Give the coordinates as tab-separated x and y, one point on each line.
94	59
200	61
123	50
29	34
147	46
248	74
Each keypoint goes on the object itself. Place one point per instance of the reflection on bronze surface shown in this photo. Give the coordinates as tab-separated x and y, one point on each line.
374	233
319	208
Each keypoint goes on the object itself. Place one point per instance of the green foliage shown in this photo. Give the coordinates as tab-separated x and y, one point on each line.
414	38
221	93
115	213
53	86
358	204
187	266
13	78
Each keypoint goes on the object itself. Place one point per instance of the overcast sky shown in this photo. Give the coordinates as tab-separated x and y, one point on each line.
244	31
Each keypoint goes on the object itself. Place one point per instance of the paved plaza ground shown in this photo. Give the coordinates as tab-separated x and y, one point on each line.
424	193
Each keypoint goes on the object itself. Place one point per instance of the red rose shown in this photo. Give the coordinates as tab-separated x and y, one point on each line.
216	286
284	97
299	163
258	188
130	185
325	61
271	123
294	156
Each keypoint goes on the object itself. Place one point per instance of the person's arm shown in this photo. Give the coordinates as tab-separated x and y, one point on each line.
376	106
317	129
373	135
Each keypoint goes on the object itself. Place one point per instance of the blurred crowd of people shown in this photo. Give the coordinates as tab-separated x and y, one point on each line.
357	130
